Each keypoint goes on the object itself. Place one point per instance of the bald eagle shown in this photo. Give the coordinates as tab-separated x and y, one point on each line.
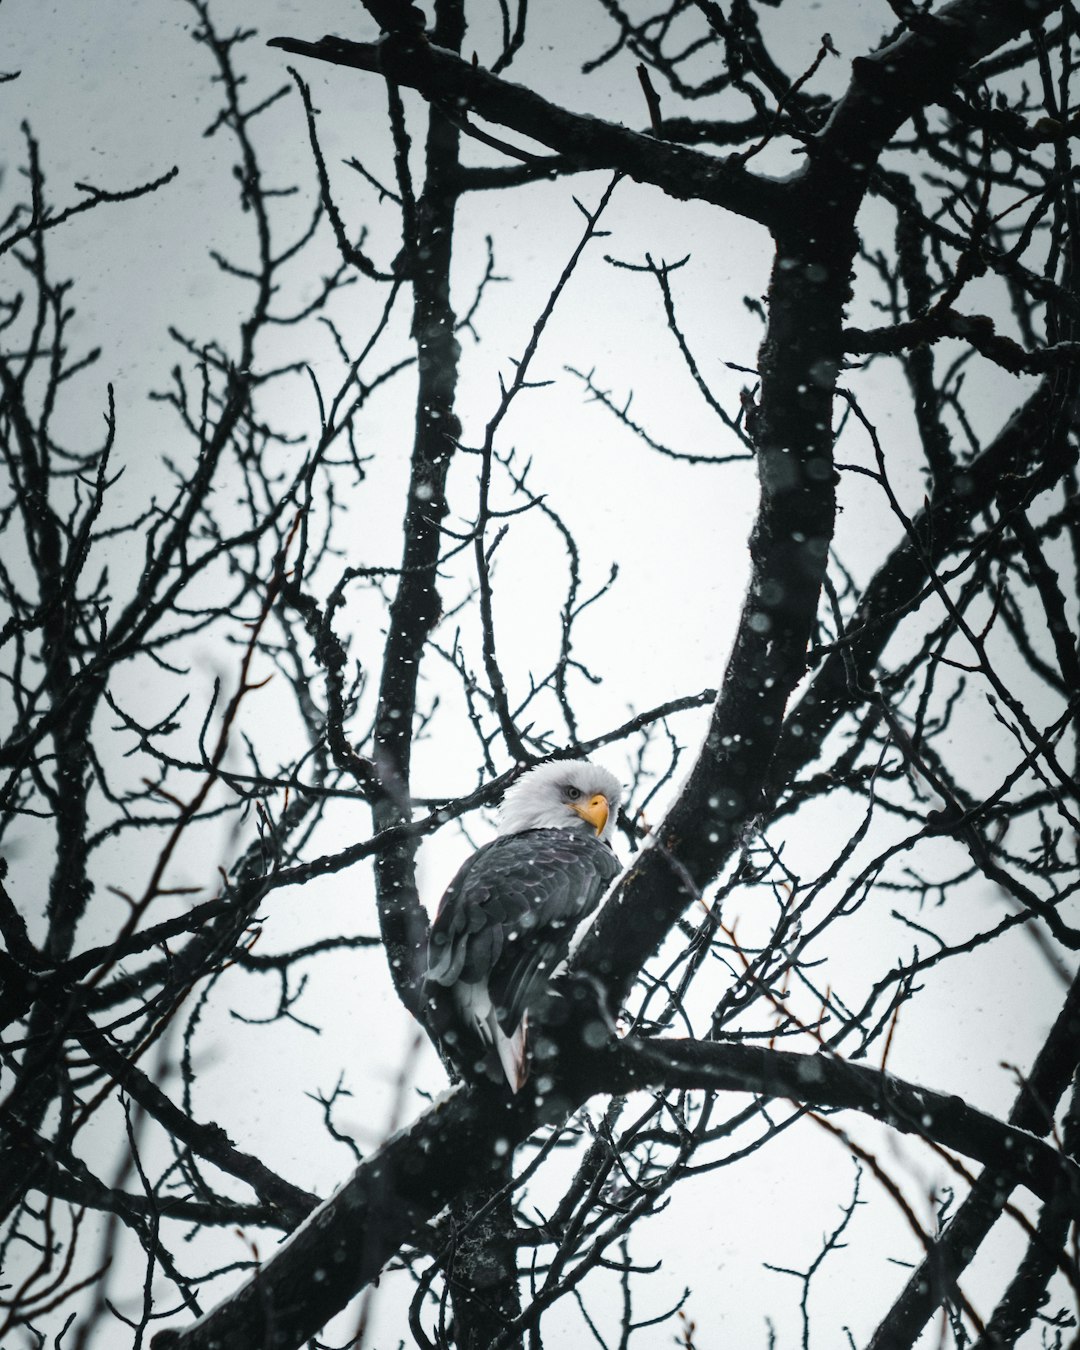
507	918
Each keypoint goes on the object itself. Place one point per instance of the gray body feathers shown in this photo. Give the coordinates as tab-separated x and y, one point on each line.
504	924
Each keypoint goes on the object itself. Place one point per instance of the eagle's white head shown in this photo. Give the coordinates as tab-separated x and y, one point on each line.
568	794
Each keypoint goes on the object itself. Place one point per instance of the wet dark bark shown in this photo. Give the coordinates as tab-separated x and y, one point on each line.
416	607
452	1150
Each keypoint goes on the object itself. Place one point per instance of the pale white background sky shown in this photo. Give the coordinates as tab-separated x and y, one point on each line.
116	93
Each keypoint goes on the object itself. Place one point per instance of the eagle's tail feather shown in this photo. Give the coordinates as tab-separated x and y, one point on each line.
507	1052
511	1051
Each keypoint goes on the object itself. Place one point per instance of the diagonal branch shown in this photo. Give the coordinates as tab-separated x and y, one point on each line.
587	142
1033	1110
456	1144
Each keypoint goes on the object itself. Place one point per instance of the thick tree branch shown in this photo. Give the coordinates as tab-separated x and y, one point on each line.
586	142
209	1140
976	329
1032	1111
458	1143
799	360
416	608
1029	453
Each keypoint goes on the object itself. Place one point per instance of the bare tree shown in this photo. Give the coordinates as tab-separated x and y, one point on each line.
923	256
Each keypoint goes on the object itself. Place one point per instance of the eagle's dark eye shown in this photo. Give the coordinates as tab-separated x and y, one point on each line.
572	793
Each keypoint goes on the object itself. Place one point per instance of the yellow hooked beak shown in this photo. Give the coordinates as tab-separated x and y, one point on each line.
595	811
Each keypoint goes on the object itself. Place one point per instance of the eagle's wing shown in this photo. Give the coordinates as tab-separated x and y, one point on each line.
508	916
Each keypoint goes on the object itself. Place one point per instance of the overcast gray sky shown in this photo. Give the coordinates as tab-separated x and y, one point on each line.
117	93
